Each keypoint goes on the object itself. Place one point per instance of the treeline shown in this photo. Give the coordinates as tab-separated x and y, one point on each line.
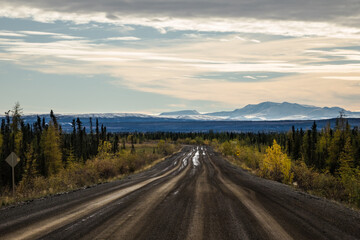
323	149
44	149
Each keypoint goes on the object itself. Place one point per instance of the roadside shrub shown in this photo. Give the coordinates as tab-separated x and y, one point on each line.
165	147
350	178
81	175
104	149
105	168
322	184
230	148
304	176
250	156
226	149
327	185
102	168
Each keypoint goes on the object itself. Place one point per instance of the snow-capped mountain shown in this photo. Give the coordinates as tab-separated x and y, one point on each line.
253	118
252	112
274	111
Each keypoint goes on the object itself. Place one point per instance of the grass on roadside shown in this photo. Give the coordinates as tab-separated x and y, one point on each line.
103	168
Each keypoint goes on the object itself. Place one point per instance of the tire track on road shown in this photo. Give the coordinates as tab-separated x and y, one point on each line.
224	216
196	227
270	225
126	224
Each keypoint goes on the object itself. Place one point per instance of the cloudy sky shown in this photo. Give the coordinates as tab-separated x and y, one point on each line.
153	56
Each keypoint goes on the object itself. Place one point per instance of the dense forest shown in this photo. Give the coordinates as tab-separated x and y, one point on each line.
318	160
324	161
53	159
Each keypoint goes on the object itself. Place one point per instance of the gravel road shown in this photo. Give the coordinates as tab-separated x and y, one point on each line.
194	194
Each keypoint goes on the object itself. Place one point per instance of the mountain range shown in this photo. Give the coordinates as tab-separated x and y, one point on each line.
263	117
265	111
268	111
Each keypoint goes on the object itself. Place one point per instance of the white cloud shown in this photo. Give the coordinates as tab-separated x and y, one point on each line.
11	34
123	39
170	70
248	24
255	41
249	77
65	37
345	11
240	38
39	33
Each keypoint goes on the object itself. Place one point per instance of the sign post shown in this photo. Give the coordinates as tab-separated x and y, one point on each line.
12	160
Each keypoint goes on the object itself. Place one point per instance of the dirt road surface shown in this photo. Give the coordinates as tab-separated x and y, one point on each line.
194	194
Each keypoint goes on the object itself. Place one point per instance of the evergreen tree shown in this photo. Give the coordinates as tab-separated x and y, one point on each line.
70	159
132	145
335	148
346	155
116	144
30	169
97	129
50	140
342	132
1	143
306	149
37	125
314	140
356	135
74	127
349	175
16	117
123	144
43	124
297	145
91	126
322	149
79	125
31	164
53	118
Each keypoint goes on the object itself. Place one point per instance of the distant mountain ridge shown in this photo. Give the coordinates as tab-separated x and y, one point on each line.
179	113
251	118
274	111
265	111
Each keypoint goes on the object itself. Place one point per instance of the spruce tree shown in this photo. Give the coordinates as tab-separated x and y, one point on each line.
116	144
16	117
91	125
53	118
1	143
50	141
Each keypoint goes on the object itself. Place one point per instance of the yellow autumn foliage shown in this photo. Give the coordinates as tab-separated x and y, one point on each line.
50	143
276	164
104	149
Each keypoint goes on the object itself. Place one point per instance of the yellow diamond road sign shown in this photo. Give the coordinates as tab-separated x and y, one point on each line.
12	159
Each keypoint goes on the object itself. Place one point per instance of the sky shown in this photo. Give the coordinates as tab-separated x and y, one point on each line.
149	56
